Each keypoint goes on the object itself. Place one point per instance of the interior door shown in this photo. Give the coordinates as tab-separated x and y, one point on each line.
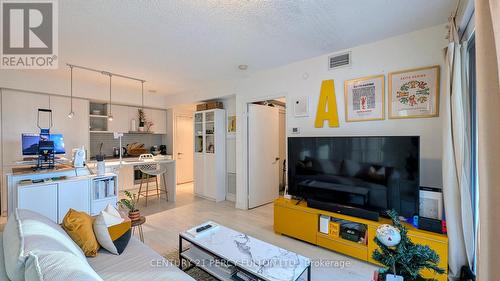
263	154
184	131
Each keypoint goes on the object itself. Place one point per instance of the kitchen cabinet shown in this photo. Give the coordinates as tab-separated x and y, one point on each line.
90	194
39	198
125	177
159	118
74	195
121	119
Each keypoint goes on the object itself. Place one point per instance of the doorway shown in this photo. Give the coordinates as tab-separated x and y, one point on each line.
184	143
266	151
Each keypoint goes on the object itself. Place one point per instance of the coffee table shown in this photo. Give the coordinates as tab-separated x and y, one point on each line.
221	252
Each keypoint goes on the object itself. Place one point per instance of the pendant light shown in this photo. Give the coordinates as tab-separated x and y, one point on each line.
71	113
110	116
142	93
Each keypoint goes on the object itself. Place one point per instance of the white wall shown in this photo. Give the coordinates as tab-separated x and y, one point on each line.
416	49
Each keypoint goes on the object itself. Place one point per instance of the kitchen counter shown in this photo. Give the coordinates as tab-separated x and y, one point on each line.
131	160
125	171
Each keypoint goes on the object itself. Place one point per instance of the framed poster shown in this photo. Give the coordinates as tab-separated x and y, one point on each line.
364	99
414	93
231	124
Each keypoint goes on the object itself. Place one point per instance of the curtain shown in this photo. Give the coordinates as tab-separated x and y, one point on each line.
456	157
488	110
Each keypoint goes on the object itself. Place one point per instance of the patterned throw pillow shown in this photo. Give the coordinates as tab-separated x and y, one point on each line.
112	231
78	225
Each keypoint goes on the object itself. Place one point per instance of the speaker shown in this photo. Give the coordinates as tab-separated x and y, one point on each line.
429	224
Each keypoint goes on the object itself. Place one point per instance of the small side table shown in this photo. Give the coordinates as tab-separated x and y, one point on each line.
138	224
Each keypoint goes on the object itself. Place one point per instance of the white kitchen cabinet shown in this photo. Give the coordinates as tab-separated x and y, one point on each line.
39	198
159	118
210	154
74	195
125	177
121	119
54	199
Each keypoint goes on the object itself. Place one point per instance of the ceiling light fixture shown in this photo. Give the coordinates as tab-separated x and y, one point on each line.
110	116
71	113
142	94
243	67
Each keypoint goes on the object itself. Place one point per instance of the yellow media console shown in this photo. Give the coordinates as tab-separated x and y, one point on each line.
301	222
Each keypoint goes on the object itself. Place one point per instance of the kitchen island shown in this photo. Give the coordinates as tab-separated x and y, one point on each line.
125	170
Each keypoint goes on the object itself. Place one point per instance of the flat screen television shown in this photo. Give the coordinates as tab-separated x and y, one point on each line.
29	143
368	173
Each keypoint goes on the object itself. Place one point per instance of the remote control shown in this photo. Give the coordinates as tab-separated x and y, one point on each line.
205	227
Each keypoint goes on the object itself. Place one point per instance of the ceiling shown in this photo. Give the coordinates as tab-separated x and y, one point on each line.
179	45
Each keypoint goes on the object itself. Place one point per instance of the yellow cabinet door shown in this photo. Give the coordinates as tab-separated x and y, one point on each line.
298	224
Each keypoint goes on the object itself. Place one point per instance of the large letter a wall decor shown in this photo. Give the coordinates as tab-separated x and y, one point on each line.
327	106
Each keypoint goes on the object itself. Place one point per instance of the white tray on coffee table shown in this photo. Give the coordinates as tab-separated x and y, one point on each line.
214	249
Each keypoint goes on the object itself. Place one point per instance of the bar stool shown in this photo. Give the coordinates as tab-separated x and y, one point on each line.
149	170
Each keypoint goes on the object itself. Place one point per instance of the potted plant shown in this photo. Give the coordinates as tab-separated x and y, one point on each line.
129	204
142	119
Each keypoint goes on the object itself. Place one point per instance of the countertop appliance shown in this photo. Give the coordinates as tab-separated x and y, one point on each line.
116	152
363	174
163	149
155	150
79	157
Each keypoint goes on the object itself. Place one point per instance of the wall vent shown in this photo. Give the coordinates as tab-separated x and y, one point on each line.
339	60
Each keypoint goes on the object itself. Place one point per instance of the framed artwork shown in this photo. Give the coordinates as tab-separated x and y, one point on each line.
364	99
231	124
414	93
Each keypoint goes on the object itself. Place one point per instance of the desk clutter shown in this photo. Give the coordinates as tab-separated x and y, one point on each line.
29	181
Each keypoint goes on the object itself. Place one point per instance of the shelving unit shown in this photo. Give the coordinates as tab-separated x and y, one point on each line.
207	263
210	154
98	120
103	191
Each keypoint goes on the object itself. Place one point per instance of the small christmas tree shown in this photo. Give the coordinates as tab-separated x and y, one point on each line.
406	259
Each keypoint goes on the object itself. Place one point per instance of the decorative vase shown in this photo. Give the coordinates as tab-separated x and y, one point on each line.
141	126
134	215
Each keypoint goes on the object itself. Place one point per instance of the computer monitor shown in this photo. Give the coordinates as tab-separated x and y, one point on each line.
30	143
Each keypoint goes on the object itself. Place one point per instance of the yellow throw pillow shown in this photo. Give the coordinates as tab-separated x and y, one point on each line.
78	225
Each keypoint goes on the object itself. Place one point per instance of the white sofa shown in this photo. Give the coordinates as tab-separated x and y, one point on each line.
35	248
